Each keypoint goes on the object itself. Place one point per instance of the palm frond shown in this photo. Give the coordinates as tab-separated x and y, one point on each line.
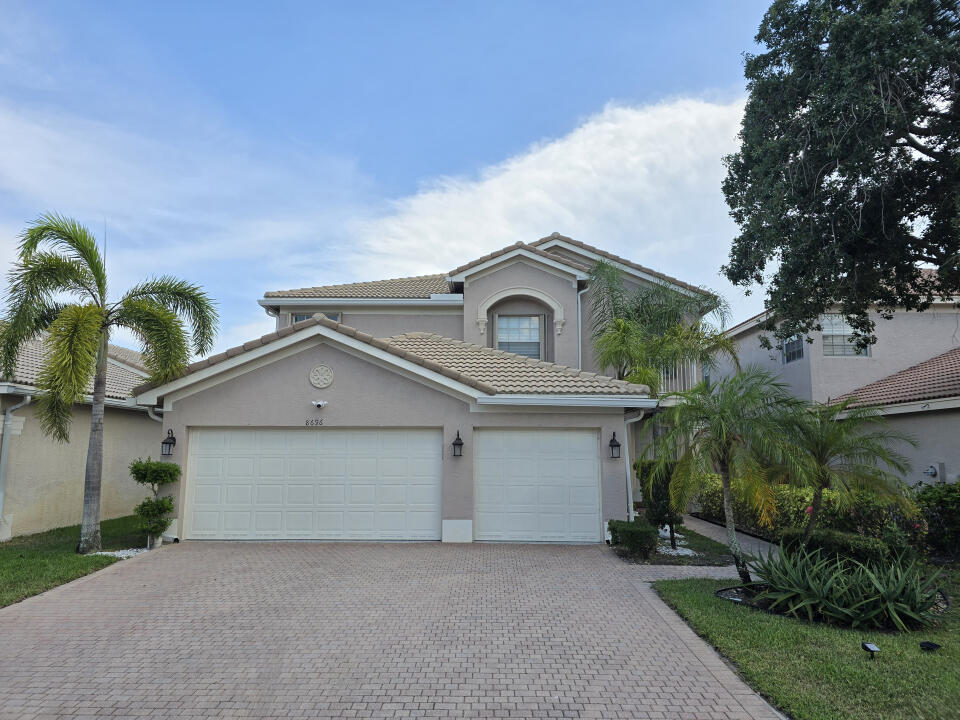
186	300
161	334
607	296
67	235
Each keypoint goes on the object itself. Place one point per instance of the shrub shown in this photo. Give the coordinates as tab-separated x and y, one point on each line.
940	507
658	509
152	515
810	585
637	537
154	472
152	512
836	543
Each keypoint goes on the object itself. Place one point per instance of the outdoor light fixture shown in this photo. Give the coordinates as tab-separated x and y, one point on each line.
928	646
870	648
614	447
166	447
457	446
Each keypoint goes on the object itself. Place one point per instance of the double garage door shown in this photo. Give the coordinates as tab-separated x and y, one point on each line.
529	485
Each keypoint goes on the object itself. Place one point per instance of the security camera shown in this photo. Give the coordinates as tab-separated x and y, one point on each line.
319	403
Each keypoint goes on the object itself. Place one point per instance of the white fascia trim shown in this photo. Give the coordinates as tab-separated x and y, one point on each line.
18	389
452	300
621	401
152	396
519	252
626	268
948	403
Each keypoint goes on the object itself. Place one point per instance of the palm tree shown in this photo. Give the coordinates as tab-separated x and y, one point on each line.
847	448
640	335
59	259
729	428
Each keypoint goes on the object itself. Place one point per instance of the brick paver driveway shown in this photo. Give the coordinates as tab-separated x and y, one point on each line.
323	630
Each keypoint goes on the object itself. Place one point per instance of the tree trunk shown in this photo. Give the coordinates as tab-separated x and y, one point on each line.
814	511
673	537
90	524
738	558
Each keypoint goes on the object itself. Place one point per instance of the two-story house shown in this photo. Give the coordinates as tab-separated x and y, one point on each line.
912	373
458	406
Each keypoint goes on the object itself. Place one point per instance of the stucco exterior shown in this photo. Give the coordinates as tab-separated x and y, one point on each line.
369	394
45	478
936	433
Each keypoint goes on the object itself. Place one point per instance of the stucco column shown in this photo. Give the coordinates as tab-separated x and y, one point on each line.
613	472
457	490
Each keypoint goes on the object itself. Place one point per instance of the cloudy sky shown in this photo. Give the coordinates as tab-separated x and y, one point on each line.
262	146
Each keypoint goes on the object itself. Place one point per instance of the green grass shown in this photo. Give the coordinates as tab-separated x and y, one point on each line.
31	564
819	672
710	552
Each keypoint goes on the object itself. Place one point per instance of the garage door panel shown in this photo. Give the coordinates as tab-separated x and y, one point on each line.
537	485
324	484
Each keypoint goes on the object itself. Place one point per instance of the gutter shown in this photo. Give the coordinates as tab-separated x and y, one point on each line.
5	447
626	446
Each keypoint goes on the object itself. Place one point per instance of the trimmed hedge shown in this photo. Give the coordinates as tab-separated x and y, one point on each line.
940	506
638	537
836	543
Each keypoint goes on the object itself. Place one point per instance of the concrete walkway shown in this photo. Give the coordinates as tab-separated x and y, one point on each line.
386	630
749	544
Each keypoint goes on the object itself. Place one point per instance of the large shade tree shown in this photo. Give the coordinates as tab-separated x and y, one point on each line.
639	334
732	428
58	291
847	181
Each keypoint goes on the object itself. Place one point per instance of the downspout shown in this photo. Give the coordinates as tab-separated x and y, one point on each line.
626	447
5	447
580	331
152	414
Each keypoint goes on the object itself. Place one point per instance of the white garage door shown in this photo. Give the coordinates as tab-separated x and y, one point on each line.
314	483
537	485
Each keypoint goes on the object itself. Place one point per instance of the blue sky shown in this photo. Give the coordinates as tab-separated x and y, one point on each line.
258	146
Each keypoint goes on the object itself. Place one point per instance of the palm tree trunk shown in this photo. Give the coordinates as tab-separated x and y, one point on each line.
738	558
673	537
90	524
814	511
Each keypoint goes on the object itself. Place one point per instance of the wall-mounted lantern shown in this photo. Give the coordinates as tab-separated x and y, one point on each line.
166	447
457	446
614	447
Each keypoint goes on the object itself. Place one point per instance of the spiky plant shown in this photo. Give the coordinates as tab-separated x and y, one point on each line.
729	429
847	448
59	259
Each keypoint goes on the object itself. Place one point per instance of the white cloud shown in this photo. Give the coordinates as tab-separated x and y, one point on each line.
643	182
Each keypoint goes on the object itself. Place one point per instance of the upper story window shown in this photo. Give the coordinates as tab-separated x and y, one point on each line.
836	337
297	317
521	334
793	350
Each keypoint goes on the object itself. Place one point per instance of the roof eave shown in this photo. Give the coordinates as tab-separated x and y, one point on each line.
559	400
445	300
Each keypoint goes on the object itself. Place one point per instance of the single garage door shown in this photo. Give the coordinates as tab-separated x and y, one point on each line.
314	483
537	485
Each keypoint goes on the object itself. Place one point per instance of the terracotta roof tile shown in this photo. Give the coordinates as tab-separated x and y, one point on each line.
938	377
421	286
521	246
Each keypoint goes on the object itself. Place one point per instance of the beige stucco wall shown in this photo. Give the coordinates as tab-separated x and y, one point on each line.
938	441
366	395
446	322
796	375
45	478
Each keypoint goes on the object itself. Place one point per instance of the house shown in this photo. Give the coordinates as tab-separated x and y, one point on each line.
41	480
911	349
459	406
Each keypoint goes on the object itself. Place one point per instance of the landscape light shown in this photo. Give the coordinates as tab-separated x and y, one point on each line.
870	648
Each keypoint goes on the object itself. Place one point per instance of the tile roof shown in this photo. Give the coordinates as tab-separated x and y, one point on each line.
938	377
617	259
521	246
488	370
120	381
421	286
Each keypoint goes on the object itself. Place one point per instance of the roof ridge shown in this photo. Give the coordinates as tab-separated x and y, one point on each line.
519	245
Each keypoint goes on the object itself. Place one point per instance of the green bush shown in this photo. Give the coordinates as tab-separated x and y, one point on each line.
940	507
657	507
814	586
836	543
152	515
154	472
637	537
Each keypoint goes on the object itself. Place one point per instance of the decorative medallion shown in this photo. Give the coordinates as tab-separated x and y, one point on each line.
321	377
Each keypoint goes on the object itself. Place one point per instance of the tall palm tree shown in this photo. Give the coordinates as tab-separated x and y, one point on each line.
729	428
847	448
59	260
640	335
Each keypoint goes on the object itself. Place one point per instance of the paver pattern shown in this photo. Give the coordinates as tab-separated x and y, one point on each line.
331	630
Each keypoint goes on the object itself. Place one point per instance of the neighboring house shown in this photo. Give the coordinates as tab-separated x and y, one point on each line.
830	367
459	406
41	480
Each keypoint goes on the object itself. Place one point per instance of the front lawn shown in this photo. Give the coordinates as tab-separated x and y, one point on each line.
30	564
818	672
708	552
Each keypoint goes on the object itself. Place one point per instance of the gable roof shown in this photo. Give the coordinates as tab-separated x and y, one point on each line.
120	380
490	371
557	237
420	286
938	377
524	247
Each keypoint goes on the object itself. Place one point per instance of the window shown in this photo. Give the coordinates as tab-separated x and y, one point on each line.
297	317
521	334
836	337
792	349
